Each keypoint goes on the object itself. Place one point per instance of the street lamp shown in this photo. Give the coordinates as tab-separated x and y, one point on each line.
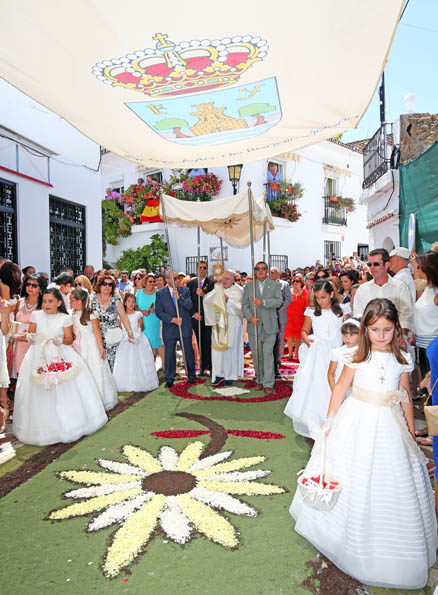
234	172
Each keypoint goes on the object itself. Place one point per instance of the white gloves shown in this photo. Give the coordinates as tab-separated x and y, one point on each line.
31	338
57	341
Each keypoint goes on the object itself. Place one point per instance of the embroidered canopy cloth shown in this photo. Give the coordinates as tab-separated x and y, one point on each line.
167	86
227	218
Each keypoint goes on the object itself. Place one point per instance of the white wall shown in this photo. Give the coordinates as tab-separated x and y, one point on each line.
46	157
302	241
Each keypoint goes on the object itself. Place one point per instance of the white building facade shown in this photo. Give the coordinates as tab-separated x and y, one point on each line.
50	185
325	169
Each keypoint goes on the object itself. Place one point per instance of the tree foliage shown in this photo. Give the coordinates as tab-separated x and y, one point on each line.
152	256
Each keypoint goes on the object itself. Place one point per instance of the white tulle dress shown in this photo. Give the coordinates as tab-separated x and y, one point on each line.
68	410
382	531
311	390
85	344
134	366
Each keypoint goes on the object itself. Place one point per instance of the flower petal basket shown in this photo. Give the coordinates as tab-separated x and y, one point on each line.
318	492
55	372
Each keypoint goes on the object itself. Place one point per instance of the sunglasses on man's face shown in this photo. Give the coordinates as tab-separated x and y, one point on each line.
203	267
374	264
260	268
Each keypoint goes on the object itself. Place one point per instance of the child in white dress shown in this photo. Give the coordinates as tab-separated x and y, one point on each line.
311	390
350	337
134	366
382	529
88	343
68	409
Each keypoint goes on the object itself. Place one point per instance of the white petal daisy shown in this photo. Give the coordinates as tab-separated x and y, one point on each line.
175	493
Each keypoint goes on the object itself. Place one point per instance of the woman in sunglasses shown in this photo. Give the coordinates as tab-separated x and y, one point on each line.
32	299
152	325
322	274
82	281
295	315
137	283
108	307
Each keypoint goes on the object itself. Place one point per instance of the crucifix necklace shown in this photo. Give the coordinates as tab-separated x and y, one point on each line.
382	368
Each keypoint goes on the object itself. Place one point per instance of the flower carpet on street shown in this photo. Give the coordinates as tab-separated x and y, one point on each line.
175	495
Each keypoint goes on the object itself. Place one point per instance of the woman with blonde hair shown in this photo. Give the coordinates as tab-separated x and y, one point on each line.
83	281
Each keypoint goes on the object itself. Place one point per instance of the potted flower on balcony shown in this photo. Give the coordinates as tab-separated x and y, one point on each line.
285	205
199	188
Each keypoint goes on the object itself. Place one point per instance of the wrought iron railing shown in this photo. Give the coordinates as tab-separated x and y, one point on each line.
192	263
334	214
8	220
375	156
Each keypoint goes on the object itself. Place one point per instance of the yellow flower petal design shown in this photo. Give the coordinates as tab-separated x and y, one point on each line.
189	456
141	458
246	488
132	535
230	466
208	521
81	508
96	477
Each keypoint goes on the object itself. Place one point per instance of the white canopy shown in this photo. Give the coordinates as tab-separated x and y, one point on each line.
187	85
227	218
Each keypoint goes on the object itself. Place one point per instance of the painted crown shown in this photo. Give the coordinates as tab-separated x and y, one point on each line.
172	69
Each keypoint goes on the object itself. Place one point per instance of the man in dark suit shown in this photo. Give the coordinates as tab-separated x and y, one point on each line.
197	313
165	309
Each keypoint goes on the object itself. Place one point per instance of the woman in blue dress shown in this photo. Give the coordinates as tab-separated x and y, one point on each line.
432	356
145	299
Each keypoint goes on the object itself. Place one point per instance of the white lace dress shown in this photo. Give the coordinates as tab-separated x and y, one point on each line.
85	344
382	530
311	391
68	410
134	366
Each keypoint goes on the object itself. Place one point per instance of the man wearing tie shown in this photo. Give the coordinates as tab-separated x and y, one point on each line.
262	312
197	313
165	309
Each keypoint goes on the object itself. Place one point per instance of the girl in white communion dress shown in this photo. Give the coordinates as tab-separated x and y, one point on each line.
88	343
46	412
382	529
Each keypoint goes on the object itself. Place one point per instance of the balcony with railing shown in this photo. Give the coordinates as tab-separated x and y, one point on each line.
376	155
334	213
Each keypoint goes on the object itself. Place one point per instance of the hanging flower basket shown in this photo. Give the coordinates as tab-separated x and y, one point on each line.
274	186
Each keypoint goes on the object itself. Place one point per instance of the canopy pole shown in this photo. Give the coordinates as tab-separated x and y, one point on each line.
222	251
166	232
251	235
264	232
201	363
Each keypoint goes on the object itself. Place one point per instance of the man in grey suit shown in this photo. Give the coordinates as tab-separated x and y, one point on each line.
282	317
262	312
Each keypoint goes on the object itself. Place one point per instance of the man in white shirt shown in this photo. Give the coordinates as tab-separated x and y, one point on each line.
384	286
399	265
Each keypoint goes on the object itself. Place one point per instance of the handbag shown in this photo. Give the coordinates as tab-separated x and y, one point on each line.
431	414
113	336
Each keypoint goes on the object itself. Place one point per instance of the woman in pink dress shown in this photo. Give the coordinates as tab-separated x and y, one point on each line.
33	288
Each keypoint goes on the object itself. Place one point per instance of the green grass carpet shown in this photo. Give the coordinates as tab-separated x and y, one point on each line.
40	556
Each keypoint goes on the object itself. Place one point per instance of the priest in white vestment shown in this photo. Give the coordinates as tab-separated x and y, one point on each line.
223	312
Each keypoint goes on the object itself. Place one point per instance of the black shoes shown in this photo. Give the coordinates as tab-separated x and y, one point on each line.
191	381
169	383
228	383
217	381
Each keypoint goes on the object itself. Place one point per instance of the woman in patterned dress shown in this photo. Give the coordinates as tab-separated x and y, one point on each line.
108	307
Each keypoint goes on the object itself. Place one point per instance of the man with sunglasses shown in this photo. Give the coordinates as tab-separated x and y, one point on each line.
384	286
165	309
282	318
197	312
262	312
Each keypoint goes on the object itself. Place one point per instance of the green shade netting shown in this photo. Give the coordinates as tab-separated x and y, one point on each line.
419	195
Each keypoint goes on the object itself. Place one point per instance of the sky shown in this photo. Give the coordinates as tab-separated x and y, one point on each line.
411	68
